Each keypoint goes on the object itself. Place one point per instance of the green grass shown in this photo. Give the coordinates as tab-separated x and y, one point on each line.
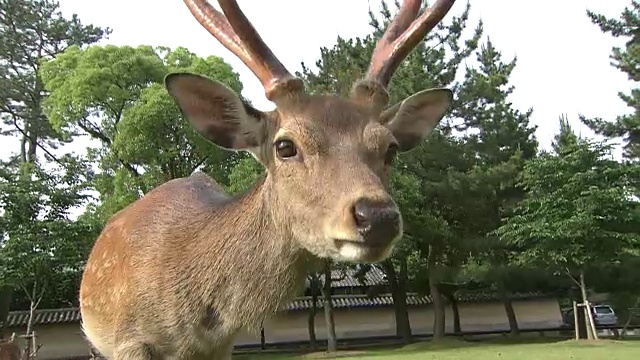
460	350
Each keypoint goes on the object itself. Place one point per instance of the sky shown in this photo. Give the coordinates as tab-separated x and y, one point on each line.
563	59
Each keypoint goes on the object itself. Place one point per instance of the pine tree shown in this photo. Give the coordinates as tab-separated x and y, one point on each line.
566	138
502	140
627	60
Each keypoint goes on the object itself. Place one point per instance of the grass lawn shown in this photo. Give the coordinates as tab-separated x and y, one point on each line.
459	350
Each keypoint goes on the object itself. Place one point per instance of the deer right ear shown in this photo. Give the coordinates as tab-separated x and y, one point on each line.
217	112
413	119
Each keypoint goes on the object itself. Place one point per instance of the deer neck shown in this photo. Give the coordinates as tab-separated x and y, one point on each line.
257	267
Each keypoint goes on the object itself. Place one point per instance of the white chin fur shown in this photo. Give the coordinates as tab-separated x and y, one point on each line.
355	253
352	252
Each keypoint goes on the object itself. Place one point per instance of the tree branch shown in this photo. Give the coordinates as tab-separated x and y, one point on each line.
566	269
36	143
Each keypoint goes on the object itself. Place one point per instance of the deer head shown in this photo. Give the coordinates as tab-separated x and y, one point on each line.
327	158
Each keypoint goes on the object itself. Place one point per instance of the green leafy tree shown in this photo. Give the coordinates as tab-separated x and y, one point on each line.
40	244
627	60
116	95
578	213
32	31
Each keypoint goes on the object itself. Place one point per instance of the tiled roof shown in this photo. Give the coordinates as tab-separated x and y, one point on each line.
355	301
71	315
348	278
45	316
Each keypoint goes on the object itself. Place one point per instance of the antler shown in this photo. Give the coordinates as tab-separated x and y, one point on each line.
402	35
238	35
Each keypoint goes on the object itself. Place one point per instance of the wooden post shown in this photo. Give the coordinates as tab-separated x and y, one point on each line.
592	323
34	346
576	324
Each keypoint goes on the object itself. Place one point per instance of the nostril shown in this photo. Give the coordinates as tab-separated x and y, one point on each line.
362	214
377	221
392	215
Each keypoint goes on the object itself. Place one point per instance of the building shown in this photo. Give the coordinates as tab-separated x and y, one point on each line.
356	315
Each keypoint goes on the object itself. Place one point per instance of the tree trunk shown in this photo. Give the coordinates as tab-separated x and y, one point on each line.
438	304
263	341
457	329
511	314
332	341
312	328
398	285
448	291
591	334
585	302
313	282
6	296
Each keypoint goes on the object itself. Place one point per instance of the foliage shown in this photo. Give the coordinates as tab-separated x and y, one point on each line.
500	140
40	240
116	95
626	60
244	174
579	210
30	31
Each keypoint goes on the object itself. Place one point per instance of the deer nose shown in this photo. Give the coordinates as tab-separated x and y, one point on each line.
378	222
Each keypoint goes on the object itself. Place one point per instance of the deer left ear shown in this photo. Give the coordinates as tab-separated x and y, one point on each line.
413	119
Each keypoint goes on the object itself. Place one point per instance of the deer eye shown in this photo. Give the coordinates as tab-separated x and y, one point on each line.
391	153
285	149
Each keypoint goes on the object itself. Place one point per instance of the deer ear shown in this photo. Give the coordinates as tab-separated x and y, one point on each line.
217	112
413	119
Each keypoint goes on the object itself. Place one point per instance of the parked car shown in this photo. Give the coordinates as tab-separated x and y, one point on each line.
603	315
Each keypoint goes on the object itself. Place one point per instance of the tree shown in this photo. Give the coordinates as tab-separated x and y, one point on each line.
578	213
468	181
116	95
501	142
626	60
444	221
329	269
314	287
39	241
30	31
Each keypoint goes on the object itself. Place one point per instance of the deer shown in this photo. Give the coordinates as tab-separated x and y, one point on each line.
181	271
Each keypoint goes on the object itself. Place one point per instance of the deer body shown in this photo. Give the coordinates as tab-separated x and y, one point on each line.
175	286
179	272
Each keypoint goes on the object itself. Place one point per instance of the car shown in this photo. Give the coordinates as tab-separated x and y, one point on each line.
603	315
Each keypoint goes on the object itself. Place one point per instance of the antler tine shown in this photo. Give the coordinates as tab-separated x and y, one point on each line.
402	35
237	34
216	24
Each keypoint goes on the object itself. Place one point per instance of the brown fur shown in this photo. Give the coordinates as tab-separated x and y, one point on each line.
179	272
10	350
175	283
